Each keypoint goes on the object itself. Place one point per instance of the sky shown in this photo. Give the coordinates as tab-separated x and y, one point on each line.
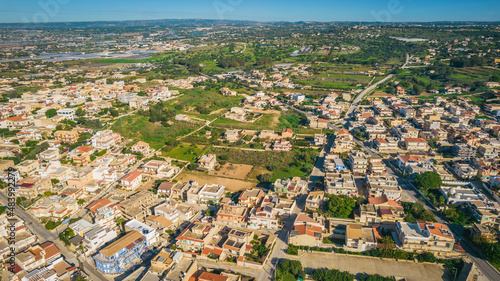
37	11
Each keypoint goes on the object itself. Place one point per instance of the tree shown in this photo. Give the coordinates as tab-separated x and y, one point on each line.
265	177
80	112
289	268
339	206
51	113
331	274
428	180
193	166
80	278
426	257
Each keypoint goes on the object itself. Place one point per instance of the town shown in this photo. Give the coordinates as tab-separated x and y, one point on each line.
236	152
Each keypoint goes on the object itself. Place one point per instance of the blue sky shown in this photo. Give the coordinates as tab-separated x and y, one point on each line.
259	10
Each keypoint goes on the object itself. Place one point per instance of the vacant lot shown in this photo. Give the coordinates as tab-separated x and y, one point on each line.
185	151
367	265
202	178
138	127
235	171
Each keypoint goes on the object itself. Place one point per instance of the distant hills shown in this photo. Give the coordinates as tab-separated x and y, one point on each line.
204	22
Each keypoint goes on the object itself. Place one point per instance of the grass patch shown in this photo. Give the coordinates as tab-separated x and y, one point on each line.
138	127
185	151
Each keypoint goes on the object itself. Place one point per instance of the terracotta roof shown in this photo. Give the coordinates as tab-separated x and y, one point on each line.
160	220
51	250
378	200
415	140
84	148
304	218
343	132
437	229
408	158
132	175
121	243
207	276
98	203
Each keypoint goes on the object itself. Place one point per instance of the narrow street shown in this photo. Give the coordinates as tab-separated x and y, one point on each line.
45	235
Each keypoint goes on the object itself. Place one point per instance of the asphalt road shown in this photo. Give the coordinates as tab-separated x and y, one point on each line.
44	235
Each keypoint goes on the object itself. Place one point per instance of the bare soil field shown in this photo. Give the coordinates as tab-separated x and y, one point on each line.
235	171
379	94
202	178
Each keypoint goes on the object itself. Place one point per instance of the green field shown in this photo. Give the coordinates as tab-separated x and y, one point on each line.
185	151
11	74
138	127
329	85
263	123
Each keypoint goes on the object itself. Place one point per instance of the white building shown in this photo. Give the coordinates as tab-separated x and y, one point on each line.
68	113
213	192
97	237
148	232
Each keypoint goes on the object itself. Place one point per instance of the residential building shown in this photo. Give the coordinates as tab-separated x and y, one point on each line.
307	231
122	254
104	212
416	144
358	162
54	207
333	163
211	193
105	139
385	145
425	237
97	237
207	162
131	180
290	187
232	214
161	263
263	218
359	238
67	113
464	170
314	200
66	136
27	167
141	147
320	139
227	92
376	166
464	150
380	209
340	184
383	185
251	197
281	145
343	142
147	231
232	135
196	235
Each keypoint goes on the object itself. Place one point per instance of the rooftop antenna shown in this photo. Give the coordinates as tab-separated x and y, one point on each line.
359	22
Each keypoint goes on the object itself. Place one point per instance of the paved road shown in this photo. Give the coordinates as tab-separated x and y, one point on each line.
44	235
317	171
363	94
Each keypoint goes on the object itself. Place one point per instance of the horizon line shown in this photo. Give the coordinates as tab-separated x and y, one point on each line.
255	21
